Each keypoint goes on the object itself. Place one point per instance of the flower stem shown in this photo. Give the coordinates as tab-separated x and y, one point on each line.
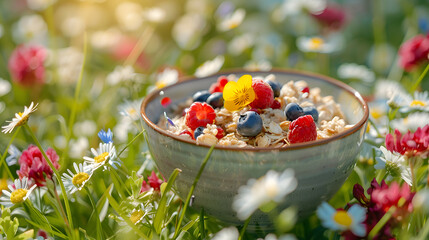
76	97
57	175
3	157
243	230
381	223
131	142
424	232
188	199
94	207
419	80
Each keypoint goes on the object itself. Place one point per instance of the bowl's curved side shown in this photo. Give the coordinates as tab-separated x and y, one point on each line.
320	172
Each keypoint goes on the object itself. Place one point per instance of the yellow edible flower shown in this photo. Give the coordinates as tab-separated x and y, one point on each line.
237	95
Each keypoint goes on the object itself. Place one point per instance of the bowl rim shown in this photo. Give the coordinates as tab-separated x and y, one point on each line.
356	127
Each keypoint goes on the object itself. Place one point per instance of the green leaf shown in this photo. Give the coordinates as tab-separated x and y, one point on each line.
162	208
36	216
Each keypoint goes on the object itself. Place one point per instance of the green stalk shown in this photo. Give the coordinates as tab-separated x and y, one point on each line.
97	215
381	223
76	97
3	157
188	199
243	230
424	232
57	175
419	80
378	22
131	142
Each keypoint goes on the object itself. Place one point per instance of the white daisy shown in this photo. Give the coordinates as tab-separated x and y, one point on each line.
394	164
318	44
342	220
293	7
411	122
76	181
230	233
121	74
232	20
19	192
105	154
210	67
5	86
271	187
386	89
167	77
30	28
407	103
20	118
355	71
130	109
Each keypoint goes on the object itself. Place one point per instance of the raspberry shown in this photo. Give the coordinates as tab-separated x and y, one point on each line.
220	133
303	129
306	90
276	105
199	115
264	94
219	85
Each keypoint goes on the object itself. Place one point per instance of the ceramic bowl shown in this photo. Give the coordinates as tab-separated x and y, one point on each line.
321	166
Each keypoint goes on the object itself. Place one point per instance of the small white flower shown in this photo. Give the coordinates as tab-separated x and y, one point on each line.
318	44
84	128
343	220
18	193
5	87
188	30
355	71
31	28
240	43
20	118
130	109
75	181
232	20
155	15
394	164
106	39
293	7
230	233
411	122
105	154
167	77
210	67
261	65
386	89
407	103
78	147
121	74
271	187
39	5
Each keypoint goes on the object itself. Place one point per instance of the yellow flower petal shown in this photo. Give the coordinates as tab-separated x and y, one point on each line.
229	91
245	81
231	106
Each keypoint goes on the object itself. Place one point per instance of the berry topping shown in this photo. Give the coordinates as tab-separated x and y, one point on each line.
200	96
306	90
264	94
313	112
215	100
220	133
293	111
302	129
276	104
187	132
249	124
219	85
199	131
199	115
275	86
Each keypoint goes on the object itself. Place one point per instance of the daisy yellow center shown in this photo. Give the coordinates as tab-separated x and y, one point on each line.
18	195
136	216
23	119
79	178
272	190
417	103
233	25
160	84
376	113
101	158
316	43
343	218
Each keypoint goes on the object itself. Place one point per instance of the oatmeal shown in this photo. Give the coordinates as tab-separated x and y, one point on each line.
255	112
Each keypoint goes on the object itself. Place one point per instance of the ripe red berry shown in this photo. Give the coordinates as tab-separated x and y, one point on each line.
276	105
303	129
306	90
220	133
199	115
264	94
219	85
187	132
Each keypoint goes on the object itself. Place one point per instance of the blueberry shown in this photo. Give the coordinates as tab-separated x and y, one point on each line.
293	111
249	124
198	132
200	96
215	100
275	86
313	112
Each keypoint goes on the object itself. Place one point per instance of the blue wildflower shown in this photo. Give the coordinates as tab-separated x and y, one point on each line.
105	137
14	155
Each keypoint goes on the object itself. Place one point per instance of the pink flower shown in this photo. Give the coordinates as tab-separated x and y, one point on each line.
414	52
34	166
394	195
332	17
154	182
411	144
26	65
